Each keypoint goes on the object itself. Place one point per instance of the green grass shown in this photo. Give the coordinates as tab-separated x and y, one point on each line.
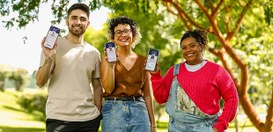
13	118
20	129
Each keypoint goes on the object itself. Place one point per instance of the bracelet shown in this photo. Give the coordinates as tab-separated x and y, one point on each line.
153	126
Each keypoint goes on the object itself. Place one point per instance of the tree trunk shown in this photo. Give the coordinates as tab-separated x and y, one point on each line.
269	122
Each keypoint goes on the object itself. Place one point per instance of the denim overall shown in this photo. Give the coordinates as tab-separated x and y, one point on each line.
186	117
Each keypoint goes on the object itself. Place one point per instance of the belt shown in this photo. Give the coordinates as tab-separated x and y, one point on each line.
131	98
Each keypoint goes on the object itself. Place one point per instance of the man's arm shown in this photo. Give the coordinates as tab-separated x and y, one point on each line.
97	93
44	72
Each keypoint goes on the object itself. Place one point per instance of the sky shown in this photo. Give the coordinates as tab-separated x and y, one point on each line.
15	52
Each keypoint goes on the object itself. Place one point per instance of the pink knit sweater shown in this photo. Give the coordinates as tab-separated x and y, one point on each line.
205	87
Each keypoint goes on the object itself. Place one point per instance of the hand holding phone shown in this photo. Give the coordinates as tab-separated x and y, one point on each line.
111	51
152	59
51	37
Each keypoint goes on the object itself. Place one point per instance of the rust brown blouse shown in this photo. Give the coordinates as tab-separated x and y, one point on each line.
129	82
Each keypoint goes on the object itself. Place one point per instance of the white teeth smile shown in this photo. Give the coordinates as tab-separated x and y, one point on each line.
189	54
123	40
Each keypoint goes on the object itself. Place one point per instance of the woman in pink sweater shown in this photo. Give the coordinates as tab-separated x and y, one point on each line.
192	90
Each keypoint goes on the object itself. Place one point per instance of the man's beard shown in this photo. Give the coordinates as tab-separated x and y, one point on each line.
78	32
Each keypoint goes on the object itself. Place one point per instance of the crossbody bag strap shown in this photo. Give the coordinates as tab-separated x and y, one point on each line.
176	70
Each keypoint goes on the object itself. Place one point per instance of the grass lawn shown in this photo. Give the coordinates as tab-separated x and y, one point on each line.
14	119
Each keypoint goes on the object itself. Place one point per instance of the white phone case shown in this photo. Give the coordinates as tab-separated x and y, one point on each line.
51	36
111	51
152	59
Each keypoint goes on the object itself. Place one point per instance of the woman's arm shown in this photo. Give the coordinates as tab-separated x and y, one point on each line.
229	94
161	86
149	101
107	74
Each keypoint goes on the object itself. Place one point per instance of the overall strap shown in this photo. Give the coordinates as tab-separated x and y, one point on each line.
176	69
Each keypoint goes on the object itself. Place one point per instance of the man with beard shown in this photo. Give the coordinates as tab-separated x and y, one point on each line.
72	68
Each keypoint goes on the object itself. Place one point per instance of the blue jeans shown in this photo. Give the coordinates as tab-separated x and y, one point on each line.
125	116
185	122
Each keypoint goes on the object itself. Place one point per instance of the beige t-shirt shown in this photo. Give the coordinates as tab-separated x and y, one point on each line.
70	96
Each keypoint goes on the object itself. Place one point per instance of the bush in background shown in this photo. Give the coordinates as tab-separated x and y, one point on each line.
34	103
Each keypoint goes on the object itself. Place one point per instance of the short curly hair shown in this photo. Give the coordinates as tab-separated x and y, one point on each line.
198	34
124	20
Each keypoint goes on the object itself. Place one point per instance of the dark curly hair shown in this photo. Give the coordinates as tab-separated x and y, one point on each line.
79	6
198	34
124	20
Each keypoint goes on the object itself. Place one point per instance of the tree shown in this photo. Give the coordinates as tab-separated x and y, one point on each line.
19	78
5	71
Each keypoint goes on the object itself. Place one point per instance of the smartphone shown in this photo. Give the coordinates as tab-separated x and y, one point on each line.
51	36
111	51
152	59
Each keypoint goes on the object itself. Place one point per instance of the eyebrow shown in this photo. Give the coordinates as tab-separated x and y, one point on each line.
78	16
123	29
188	44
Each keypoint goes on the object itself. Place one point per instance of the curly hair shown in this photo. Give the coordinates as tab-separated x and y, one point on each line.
124	20
198	34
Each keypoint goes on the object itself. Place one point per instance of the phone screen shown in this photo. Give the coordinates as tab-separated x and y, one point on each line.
51	37
152	59
111	51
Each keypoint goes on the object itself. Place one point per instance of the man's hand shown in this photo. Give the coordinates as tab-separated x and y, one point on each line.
49	53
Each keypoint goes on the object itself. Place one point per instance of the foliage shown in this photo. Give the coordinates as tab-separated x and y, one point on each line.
96	38
253	44
3	75
19	78
34	102
268	11
5	71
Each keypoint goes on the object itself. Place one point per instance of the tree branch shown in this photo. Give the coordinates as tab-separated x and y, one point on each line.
239	21
179	14
217	9
184	14
269	122
212	21
211	5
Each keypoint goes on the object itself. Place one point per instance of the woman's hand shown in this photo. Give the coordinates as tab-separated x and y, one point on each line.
105	58
157	68
215	130
153	129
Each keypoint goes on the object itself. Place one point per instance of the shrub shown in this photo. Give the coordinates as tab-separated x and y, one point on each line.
34	103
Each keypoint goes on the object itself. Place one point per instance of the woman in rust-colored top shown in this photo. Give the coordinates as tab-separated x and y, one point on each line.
128	101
